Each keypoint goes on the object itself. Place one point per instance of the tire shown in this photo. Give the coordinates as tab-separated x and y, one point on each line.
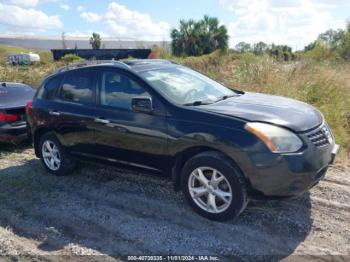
230	194
64	166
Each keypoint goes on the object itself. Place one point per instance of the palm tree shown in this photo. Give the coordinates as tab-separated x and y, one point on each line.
198	38
214	35
95	41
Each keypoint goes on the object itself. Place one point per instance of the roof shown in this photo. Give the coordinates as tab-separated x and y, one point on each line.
136	65
139	65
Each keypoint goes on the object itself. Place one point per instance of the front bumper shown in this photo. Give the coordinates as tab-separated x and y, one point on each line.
290	174
13	133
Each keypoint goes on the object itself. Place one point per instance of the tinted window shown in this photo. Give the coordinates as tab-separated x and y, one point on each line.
48	91
78	87
117	90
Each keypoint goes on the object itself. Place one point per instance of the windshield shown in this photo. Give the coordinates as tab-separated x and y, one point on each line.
185	86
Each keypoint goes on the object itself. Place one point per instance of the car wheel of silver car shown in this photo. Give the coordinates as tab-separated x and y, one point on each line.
214	186
53	156
210	189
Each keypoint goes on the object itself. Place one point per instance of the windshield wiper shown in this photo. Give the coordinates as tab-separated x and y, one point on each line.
209	101
200	103
225	97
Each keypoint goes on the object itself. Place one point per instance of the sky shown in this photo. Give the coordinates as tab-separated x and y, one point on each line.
292	22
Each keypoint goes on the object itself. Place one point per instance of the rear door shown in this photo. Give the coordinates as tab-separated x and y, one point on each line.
70	109
75	111
123	135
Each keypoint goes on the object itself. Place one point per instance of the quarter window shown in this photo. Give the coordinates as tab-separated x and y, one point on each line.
78	87
117	90
48	91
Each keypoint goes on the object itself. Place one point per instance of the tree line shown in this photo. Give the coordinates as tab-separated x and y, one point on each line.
280	52
331	44
195	38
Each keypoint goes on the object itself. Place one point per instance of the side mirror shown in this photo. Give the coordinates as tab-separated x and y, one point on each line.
141	104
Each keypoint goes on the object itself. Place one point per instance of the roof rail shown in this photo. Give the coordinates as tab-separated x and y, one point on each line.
87	63
133	62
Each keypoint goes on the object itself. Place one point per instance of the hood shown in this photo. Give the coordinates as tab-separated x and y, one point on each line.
13	95
277	110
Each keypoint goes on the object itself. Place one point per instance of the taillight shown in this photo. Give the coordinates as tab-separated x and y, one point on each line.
8	117
28	107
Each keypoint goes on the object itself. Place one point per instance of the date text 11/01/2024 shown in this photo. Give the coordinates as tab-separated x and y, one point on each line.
173	258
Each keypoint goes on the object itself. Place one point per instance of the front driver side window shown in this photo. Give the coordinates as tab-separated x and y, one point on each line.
117	90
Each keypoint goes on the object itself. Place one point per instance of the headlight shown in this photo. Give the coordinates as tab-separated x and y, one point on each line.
277	139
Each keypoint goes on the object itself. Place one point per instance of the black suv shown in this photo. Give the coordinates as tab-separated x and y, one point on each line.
220	146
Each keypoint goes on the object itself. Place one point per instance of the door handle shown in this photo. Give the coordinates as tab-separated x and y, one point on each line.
54	113
102	121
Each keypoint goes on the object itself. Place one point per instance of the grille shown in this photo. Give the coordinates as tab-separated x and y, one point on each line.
321	137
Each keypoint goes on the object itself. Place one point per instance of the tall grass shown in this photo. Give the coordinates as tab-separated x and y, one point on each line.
31	75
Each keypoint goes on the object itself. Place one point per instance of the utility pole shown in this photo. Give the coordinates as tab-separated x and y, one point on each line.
64	44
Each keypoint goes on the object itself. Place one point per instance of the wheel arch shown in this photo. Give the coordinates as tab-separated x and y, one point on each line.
182	157
36	138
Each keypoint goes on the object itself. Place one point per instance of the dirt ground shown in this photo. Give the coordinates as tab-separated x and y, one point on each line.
108	213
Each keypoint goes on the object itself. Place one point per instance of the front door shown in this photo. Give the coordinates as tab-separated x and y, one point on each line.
122	134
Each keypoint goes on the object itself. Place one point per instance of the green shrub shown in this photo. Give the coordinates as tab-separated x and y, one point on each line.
70	58
344	48
320	52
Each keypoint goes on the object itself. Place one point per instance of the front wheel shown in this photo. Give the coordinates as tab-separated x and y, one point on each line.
214	186
54	157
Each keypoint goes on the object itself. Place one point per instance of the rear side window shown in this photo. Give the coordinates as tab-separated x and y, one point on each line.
79	87
48	91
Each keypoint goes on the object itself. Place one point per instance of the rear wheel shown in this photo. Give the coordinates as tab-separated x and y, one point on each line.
53	156
214	186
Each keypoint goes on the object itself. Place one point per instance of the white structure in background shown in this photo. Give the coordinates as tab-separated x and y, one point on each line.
23	59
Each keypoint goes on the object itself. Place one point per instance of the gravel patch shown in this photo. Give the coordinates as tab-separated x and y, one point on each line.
109	213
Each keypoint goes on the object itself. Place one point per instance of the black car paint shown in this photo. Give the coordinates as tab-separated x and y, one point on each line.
13	99
280	111
164	138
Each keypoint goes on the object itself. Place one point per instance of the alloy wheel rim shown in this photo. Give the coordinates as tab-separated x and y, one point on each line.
51	155
210	190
